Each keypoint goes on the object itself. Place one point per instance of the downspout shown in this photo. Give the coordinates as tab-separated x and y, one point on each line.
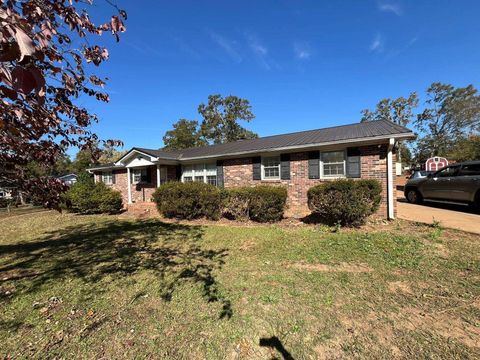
129	182
390	198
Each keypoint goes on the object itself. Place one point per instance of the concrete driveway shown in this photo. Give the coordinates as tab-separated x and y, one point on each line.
449	215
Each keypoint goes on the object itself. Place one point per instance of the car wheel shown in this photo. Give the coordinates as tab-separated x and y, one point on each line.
413	196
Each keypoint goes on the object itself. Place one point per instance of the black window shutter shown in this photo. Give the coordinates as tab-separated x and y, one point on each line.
354	163
314	165
178	172
285	166
257	168
113	178
220	174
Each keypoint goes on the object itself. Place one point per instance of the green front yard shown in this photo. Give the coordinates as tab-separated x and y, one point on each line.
105	287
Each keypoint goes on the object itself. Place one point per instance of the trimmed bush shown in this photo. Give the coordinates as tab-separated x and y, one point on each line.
195	200
236	204
260	203
85	197
267	203
346	201
190	200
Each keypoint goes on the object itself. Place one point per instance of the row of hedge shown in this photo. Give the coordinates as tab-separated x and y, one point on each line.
344	202
195	200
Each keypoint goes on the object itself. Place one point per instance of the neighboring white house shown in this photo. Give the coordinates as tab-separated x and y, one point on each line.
69	179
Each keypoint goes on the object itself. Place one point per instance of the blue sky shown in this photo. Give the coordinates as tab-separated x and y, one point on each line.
301	64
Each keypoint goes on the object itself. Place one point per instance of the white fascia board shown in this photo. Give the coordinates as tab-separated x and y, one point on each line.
128	154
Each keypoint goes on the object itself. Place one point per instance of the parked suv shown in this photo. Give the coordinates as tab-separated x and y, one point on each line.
456	183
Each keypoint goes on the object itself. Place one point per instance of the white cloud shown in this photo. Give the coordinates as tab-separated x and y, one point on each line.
259	50
228	46
392	7
377	44
302	50
186	48
403	49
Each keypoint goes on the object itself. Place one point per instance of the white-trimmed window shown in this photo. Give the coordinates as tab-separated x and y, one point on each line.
211	174
107	177
271	168
199	172
206	173
332	164
139	175
187	174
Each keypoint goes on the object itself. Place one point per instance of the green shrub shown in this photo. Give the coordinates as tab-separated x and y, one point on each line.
346	202
85	197
267	203
236	203
4	202
260	203
190	200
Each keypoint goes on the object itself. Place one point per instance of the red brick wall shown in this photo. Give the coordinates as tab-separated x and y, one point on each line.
239	172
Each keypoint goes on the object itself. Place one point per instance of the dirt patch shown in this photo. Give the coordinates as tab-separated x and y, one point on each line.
341	267
441	251
247	245
445	324
329	350
399	287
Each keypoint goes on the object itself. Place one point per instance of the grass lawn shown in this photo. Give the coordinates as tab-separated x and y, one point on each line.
106	287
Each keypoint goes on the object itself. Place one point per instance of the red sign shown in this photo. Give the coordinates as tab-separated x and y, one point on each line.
435	163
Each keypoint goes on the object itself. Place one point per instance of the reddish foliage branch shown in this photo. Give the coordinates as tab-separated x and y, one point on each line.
42	74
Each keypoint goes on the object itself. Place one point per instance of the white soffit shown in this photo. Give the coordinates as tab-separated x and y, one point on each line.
137	160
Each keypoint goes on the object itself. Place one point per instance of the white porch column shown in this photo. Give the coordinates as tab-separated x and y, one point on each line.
129	182
158	175
390	199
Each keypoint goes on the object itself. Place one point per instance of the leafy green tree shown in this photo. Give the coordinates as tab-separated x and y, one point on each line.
62	166
398	111
110	154
84	159
185	134
405	155
451	115
220	119
466	149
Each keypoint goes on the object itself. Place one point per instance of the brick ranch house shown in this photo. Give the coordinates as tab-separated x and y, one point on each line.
297	161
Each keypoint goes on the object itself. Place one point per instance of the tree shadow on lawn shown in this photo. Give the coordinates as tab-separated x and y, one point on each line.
92	252
275	343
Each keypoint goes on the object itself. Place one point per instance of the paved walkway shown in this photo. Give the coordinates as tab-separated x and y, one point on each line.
449	216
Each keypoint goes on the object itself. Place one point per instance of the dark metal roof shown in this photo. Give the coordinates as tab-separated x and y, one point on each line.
338	134
171	155
370	129
103	166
